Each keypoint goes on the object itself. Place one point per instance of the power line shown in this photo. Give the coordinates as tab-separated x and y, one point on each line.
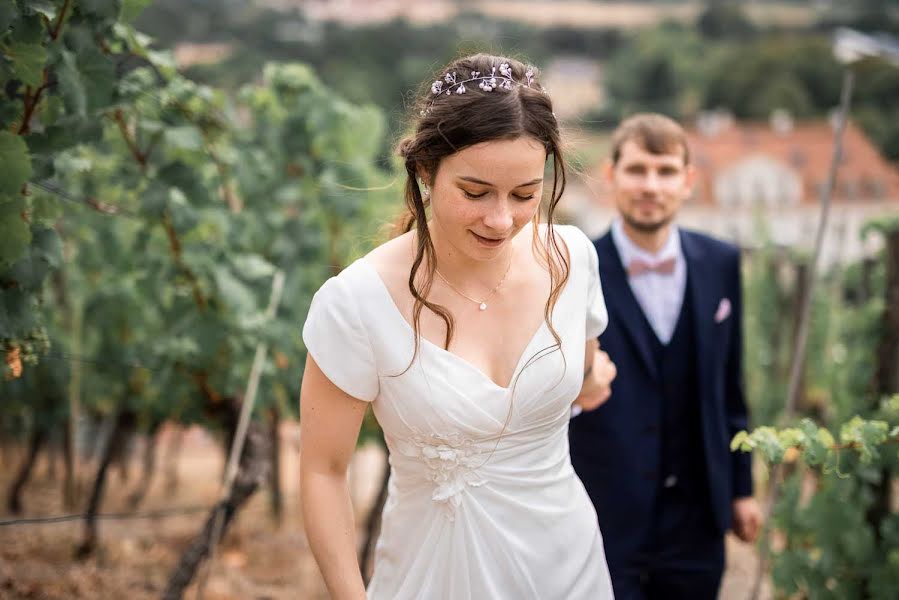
122	364
115	211
99	206
152	514
104	362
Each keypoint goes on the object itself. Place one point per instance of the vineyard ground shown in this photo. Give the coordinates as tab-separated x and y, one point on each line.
258	559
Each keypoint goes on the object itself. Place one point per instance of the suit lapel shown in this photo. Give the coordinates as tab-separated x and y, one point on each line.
621	302
702	289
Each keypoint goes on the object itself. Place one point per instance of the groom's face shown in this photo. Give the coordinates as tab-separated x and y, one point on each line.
648	189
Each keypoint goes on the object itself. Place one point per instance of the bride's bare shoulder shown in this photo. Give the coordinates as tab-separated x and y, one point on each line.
393	259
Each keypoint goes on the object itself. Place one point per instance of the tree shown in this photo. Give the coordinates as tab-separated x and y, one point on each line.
724	19
657	70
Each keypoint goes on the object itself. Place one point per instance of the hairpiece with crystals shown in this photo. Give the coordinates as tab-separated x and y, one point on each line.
451	84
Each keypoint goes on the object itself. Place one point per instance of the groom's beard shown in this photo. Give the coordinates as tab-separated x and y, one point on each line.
644	227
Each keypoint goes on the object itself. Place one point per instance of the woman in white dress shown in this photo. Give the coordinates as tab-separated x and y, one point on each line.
473	335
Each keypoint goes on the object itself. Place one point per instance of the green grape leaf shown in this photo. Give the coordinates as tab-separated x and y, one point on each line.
792	436
131	9
179	348
16	164
104	9
137	42
234	292
768	443
815	448
15	233
164	61
45	209
8	13
252	266
185	137
71	85
28	62
70	163
891	404
826	438
51	109
28	29
180	175
18	310
46	245
184	217
10	110
98	74
136	85
30	270
740	442
154	200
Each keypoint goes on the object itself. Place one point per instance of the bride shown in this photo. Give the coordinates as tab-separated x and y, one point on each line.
473	335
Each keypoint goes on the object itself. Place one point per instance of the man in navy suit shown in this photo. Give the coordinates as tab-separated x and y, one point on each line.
655	458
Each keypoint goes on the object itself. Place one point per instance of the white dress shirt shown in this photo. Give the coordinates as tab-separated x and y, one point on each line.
660	295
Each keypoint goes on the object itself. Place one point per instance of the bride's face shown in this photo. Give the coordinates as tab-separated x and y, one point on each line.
484	195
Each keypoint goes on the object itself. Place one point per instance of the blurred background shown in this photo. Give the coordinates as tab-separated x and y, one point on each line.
756	82
180	176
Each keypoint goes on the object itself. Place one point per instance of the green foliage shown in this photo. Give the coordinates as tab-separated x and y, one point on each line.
884	225
724	19
387	61
797	74
16	165
832	539
657	70
173	205
181	285
724	61
800	74
831	548
58	75
817	445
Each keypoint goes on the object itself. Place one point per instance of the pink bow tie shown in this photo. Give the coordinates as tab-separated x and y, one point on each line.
639	267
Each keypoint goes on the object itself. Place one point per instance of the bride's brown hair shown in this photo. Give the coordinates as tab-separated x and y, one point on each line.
447	123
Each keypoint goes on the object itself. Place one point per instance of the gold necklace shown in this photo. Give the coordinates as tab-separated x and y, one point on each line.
482	304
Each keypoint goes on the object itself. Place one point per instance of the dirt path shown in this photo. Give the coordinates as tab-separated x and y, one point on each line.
258	560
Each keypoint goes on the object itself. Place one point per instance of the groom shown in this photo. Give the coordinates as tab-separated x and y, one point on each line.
655	458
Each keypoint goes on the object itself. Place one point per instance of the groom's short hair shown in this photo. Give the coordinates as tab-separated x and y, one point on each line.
655	133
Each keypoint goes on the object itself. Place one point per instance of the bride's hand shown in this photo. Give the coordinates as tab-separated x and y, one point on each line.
599	372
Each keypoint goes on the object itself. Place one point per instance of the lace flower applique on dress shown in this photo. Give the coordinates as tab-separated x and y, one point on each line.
451	462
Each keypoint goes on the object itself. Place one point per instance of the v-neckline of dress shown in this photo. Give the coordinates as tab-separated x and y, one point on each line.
468	364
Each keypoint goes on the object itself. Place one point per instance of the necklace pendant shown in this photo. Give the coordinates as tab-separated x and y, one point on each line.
483	306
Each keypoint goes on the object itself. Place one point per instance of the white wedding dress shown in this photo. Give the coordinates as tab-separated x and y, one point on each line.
473	512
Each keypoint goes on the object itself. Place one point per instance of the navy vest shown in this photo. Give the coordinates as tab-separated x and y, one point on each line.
681	459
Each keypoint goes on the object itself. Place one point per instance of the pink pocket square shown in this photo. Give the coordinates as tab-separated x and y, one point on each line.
723	310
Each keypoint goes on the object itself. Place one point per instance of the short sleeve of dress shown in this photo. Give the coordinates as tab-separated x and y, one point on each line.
338	342
597	316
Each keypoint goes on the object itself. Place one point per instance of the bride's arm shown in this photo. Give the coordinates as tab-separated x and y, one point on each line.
599	371
329	426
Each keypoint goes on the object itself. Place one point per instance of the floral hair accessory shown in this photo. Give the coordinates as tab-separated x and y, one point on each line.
452	84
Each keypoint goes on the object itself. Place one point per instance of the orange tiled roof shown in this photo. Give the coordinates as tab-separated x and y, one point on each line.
806	149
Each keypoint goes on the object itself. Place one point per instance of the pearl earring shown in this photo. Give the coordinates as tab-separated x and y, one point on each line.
425	190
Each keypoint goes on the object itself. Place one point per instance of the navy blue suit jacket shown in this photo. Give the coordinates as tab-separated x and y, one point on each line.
610	447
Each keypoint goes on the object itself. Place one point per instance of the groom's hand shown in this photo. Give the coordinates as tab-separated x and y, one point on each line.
599	371
747	518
